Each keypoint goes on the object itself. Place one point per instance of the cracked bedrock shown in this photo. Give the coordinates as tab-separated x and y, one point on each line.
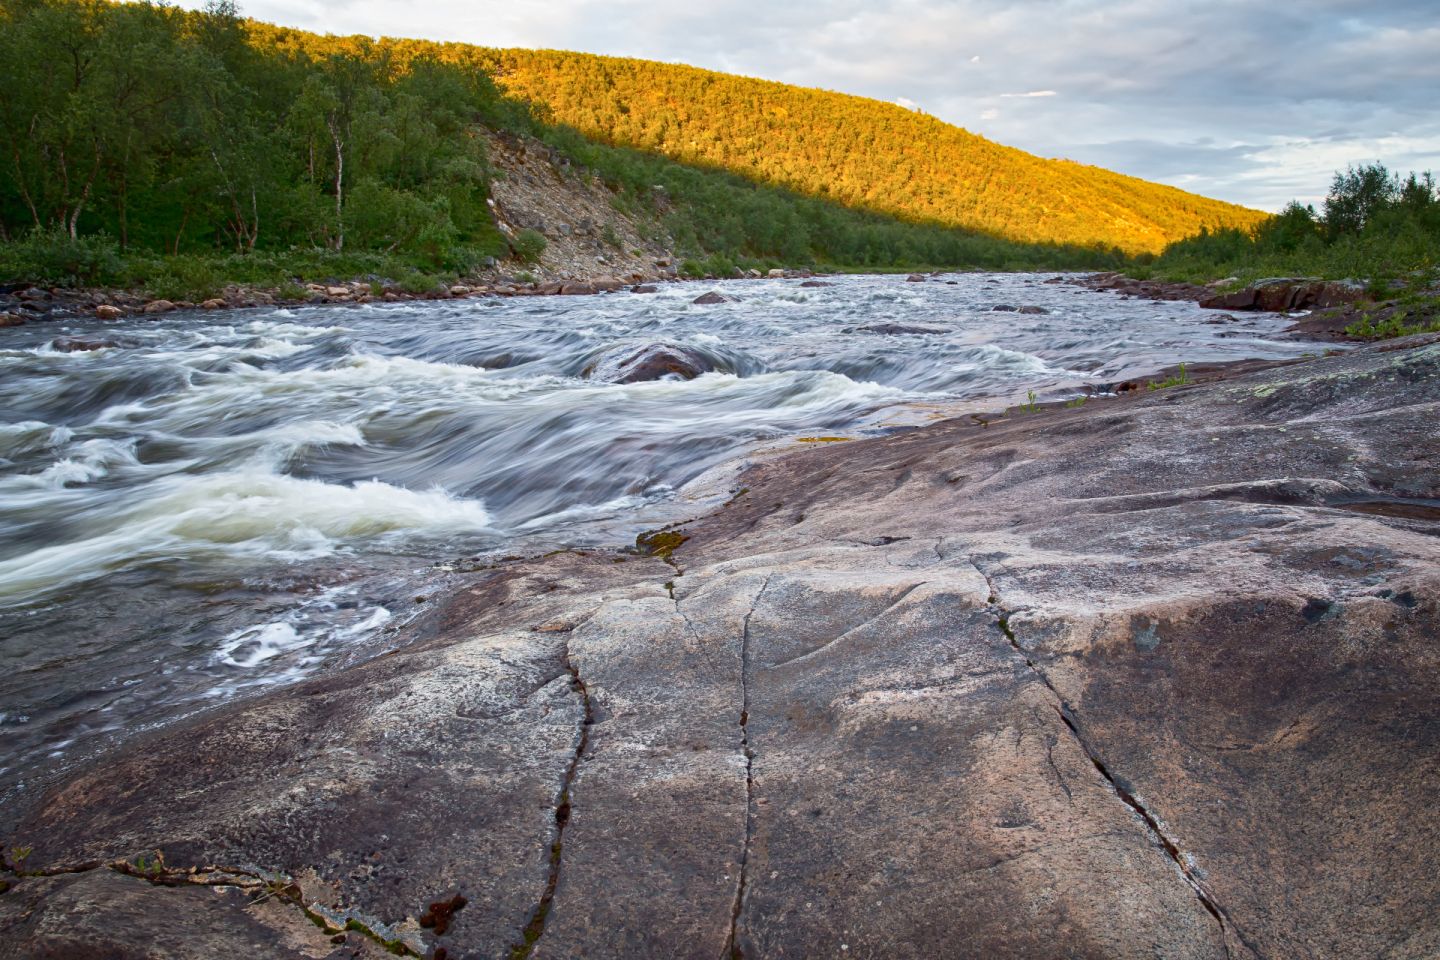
1152	678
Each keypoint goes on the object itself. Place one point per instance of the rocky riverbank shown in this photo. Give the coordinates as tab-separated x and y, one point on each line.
1150	677
1336	310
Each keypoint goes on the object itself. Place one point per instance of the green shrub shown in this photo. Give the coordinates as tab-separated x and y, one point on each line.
527	245
186	278
53	257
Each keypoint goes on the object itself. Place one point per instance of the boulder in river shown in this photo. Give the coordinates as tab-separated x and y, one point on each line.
11	320
1033	310
653	361
713	297
82	344
158	306
816	284
644	288
107	311
916	278
1005	308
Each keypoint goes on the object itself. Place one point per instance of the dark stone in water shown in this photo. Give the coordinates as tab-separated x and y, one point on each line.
656	361
893	329
816	283
1004	308
82	344
644	288
705	299
1033	311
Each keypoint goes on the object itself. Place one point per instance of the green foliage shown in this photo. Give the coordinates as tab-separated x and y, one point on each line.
1395	323
49	255
1375	225
176	133
1180	379
528	245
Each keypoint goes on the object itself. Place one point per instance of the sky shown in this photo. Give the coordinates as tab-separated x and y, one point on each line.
1256	102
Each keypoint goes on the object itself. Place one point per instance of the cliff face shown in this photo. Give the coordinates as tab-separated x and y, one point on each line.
1153	677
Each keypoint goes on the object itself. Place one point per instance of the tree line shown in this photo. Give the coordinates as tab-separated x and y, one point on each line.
1374	224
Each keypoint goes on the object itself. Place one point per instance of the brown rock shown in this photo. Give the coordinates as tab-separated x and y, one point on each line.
109	312
158	306
81	344
714	297
577	288
214	303
656	361
11	320
1236	300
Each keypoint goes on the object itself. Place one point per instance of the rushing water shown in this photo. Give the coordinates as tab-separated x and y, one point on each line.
225	501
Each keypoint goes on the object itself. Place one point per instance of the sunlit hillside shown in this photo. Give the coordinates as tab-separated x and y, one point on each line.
856	151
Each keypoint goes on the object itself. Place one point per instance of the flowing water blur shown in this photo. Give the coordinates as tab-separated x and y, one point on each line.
222	502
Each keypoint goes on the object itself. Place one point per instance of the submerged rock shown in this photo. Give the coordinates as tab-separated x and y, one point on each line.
82	344
655	361
895	329
816	284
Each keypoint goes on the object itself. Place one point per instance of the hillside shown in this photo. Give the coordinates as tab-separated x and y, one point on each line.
247	153
859	152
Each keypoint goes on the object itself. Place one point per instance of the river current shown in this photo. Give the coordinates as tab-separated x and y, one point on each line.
221	502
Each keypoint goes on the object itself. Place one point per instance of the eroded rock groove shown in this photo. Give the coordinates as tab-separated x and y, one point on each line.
733	950
535	929
1152	823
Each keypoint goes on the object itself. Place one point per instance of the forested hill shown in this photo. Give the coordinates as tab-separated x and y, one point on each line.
858	152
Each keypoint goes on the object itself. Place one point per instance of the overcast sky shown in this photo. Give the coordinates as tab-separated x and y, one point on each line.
1251	101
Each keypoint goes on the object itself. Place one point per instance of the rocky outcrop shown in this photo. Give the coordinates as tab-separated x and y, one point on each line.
1282	295
1151	677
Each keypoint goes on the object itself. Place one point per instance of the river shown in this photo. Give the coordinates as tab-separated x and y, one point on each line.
223	502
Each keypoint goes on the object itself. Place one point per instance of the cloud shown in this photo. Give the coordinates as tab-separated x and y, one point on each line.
907	103
1247	102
